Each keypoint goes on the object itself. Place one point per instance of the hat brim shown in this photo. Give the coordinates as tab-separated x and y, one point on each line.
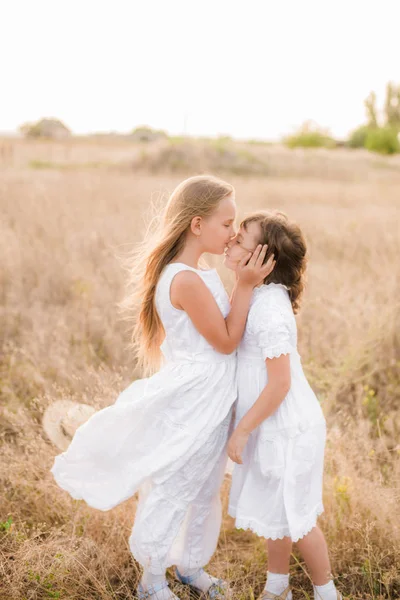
57	412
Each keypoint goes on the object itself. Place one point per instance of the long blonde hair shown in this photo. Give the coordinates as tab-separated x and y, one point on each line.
196	196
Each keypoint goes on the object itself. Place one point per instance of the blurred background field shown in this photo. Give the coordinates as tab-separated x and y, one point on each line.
70	210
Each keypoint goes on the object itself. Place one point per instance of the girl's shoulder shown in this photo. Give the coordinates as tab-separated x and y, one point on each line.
187	275
191	277
270	303
272	294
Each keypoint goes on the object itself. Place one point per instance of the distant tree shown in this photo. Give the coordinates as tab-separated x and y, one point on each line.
27	129
370	105
45	128
383	140
358	137
392	106
380	137
144	133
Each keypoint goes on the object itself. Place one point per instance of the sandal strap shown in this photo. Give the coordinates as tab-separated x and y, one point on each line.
217	590
142	593
190	578
270	596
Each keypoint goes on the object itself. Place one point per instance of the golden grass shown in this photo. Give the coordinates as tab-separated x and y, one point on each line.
62	232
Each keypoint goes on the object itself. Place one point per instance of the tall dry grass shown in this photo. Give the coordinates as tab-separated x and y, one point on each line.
62	232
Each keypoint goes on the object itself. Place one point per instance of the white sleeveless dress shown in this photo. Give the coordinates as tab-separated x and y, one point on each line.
277	492
165	436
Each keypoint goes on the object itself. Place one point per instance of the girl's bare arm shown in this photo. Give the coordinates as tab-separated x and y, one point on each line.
189	293
272	395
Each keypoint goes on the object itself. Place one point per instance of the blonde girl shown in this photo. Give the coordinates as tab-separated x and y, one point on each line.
166	435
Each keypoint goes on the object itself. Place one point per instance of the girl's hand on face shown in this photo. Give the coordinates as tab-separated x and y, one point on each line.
251	269
236	444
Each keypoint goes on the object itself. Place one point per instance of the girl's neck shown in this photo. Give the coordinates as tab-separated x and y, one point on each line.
190	256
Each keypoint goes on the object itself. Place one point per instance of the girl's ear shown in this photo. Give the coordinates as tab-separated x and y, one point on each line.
195	226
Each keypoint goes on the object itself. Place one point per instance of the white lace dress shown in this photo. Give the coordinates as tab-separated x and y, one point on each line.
277	492
166	437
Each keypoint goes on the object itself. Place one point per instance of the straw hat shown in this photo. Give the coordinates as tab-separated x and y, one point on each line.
62	418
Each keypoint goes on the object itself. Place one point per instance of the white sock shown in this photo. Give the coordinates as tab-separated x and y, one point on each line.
325	592
150	580
277	583
203	581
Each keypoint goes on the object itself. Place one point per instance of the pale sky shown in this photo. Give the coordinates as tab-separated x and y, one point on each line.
246	68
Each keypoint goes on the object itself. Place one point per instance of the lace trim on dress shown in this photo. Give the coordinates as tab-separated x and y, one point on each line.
276	351
277	534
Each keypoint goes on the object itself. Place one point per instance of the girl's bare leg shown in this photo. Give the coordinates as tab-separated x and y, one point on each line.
279	552
314	551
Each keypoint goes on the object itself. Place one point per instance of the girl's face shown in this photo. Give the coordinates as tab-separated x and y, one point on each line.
218	229
245	241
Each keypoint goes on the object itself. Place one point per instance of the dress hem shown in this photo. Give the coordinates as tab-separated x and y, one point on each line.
93	504
251	524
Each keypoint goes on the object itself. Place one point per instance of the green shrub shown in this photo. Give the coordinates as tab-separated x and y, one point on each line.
45	128
310	138
144	133
384	140
358	137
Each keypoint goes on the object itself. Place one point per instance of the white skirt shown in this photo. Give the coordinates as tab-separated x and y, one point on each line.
277	492
156	427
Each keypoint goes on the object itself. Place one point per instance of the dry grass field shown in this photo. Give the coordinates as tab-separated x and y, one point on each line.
69	212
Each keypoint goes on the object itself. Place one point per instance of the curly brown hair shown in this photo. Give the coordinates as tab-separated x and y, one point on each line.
286	241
